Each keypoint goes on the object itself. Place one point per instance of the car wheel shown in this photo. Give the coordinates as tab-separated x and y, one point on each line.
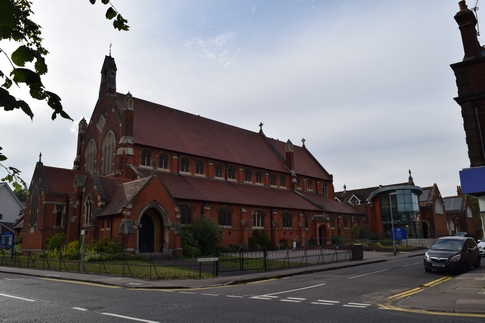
427	269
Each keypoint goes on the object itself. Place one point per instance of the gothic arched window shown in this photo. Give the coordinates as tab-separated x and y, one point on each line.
185	213
224	215
231	172
88	209
272	179
90	155
258	218
259	177
286	219
163	161
34	203
248	175
146	157
438	207
108	153
219	170
185	164
282	181
199	167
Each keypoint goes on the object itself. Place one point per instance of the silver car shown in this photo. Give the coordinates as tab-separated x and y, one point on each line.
481	247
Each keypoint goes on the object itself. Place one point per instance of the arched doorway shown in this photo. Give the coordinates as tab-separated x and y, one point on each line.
146	234
322	235
425	229
150	232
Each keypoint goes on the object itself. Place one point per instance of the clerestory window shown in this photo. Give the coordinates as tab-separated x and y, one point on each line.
163	161
146	157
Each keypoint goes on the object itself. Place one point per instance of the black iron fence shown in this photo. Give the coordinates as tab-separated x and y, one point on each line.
279	259
159	266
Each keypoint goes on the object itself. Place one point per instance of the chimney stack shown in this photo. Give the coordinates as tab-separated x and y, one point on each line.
466	22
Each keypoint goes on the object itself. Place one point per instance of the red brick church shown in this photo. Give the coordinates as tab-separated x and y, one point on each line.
144	170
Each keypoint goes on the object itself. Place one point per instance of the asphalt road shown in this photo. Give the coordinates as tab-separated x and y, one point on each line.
345	295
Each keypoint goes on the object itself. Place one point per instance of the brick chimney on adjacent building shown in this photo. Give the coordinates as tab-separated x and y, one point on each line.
466	22
470	80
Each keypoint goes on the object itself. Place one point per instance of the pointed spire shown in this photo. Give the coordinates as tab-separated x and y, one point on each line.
108	77
40	157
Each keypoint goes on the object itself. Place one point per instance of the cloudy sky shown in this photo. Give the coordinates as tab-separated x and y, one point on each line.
368	84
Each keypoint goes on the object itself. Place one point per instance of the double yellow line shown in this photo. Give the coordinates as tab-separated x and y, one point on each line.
393	298
420	288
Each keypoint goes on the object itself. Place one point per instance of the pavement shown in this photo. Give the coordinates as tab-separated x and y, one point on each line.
463	294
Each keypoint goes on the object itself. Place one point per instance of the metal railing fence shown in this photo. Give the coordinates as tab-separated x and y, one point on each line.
160	266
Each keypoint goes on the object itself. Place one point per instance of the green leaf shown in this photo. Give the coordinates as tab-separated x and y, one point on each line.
5	32
120	23
21	55
25	108
24	75
17	35
37	92
92	1
54	101
8	82
7	101
8	13
110	13
105	1
40	65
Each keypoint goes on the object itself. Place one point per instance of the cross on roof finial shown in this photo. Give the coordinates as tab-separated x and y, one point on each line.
40	157
260	126
303	141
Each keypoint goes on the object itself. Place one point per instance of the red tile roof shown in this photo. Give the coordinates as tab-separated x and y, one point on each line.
166	128
60	180
213	190
305	163
331	206
120	195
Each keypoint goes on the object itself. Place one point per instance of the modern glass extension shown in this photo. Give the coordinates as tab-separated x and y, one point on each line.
405	212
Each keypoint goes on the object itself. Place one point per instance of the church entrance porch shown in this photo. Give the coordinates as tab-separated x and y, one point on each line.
150	232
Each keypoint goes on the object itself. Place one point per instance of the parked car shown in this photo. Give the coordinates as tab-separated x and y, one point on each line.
453	253
481	247
463	234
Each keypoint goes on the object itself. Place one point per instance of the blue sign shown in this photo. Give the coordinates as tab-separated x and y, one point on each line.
6	240
400	234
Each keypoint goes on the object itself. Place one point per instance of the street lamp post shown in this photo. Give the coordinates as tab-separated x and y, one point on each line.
392	222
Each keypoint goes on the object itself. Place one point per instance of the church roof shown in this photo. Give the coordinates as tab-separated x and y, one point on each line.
213	190
331	206
155	125
120	193
305	163
56	180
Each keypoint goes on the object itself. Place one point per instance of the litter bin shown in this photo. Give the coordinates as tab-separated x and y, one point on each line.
357	252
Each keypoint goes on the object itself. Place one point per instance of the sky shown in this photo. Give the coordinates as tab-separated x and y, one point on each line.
368	84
